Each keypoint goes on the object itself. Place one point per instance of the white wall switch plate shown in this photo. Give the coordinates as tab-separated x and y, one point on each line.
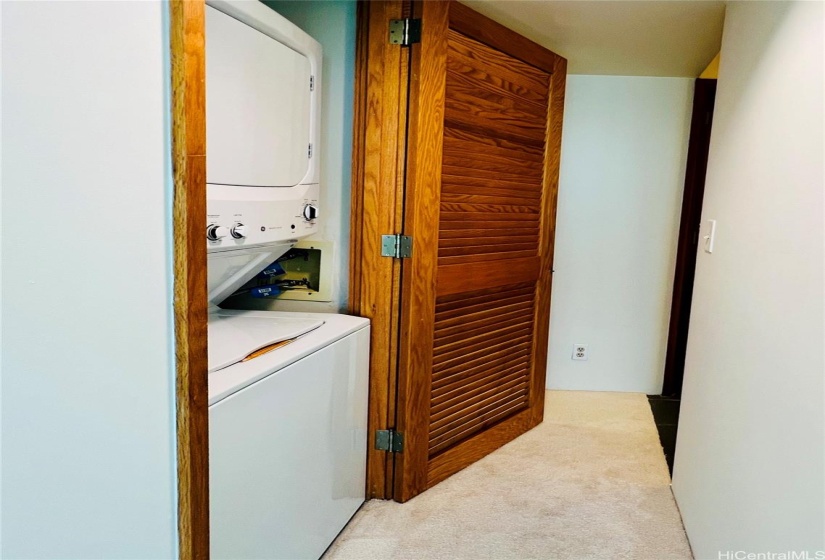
710	237
580	352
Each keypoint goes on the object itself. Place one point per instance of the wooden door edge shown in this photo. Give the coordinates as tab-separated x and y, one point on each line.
555	119
378	139
187	58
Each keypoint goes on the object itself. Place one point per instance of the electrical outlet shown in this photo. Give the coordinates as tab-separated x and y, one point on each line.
580	352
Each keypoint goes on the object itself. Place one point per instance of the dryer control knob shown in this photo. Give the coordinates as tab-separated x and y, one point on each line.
238	231
215	232
310	212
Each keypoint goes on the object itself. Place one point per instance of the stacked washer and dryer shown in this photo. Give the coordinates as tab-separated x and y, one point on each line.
287	391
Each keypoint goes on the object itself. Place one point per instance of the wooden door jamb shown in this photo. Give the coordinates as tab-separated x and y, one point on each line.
187	58
379	147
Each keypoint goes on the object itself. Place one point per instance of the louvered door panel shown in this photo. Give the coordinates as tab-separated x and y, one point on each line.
490	213
492	170
481	362
485	116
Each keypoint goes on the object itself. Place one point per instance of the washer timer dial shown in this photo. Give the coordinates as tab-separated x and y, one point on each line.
238	231
310	212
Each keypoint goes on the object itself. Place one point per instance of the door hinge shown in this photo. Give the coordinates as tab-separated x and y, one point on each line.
389	440
312	83
396	246
309	151
405	32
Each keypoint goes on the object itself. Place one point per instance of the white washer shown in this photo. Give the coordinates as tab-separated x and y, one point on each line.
288	441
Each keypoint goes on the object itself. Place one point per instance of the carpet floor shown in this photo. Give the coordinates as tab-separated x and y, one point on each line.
590	482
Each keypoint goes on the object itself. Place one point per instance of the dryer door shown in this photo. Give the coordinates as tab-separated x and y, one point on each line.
257	106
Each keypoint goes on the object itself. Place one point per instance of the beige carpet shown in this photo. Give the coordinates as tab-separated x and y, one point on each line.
589	483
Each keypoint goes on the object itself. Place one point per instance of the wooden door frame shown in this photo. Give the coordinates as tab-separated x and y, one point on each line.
377	205
696	169
188	95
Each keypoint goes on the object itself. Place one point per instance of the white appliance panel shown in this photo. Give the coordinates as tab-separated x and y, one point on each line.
258	104
288	452
277	215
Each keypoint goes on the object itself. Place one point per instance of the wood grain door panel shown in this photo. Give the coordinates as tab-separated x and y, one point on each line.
484	134
494	126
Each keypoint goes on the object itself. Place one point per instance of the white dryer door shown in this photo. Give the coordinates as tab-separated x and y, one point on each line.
257	106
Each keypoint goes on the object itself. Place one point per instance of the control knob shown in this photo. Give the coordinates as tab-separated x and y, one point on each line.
310	212
215	232
238	231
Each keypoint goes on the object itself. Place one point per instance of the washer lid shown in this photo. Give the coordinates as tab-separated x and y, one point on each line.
234	337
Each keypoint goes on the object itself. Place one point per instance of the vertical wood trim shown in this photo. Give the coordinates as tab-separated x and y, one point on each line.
550	189
189	261
359	125
425	141
377	196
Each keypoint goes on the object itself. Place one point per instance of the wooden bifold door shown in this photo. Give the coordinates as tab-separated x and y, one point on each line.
466	162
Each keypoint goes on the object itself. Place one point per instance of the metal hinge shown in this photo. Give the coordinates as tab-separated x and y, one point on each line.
309	151
389	440
405	32
312	83
396	246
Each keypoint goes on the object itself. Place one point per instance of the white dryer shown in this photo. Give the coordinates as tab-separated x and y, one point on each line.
287	391
263	80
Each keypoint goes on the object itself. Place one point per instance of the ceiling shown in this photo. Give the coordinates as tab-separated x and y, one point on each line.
625	38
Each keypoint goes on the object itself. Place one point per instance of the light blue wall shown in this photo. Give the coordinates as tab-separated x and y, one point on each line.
332	23
620	192
88	423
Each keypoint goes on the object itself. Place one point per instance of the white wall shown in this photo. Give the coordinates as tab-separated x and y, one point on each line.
622	175
331	23
88	436
749	472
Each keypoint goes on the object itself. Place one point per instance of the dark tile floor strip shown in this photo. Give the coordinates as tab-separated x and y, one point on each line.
666	415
